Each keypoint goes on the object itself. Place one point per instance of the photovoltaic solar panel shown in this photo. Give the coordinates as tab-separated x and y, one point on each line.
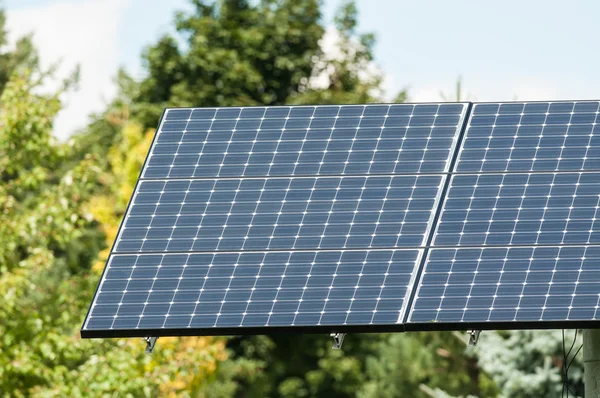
305	140
521	209
538	136
518	284
516	242
279	214
246	219
360	217
254	289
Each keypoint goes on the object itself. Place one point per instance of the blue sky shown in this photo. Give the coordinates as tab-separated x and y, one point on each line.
526	50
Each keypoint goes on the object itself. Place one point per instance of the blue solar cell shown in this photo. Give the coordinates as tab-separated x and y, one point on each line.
253	289
508	285
520	209
317	140
558	136
279	213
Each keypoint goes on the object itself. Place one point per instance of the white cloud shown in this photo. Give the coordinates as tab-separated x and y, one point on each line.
83	33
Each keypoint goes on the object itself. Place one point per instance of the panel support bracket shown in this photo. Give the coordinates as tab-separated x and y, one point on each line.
150	343
338	340
473	337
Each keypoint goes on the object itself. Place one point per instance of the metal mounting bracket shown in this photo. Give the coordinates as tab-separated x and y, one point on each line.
150	343
473	337
338	340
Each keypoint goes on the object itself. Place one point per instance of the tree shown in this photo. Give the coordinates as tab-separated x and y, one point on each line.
236	52
415	364
22	56
529	363
50	234
344	73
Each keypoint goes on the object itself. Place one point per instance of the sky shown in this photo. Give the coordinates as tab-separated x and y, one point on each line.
525	50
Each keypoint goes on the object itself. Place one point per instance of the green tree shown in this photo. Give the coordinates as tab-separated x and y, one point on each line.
231	52
413	364
346	73
528	363
50	233
22	56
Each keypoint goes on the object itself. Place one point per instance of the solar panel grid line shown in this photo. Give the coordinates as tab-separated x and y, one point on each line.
589	142
348	311
146	303
170	303
197	302
327	145
227	289
251	148
355	212
278	141
328	219
518	216
228	215
378	221
437	211
178	215
283	275
573	296
226	149
378	141
254	215
179	146
277	220
124	292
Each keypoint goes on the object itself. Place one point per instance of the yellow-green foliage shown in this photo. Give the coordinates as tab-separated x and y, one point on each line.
53	222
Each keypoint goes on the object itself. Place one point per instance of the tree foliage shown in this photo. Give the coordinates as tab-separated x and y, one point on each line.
231	52
54	220
528	363
19	58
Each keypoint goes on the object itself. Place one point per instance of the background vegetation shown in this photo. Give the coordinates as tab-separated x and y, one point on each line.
61	203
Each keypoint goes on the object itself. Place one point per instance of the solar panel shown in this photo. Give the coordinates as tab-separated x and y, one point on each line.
526	285
360	217
279	213
537	136
517	242
253	289
252	219
521	209
305	140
